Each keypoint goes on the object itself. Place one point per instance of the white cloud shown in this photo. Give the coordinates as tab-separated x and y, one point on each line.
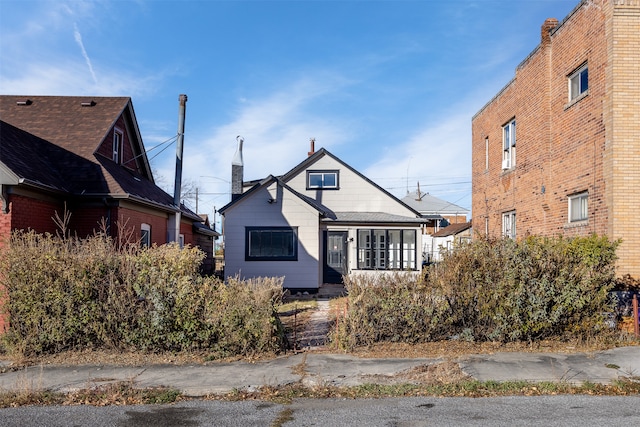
78	37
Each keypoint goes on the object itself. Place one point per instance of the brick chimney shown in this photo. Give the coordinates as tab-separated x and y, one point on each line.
312	141
545	31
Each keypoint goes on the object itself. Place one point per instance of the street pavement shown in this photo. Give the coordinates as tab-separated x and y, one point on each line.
320	368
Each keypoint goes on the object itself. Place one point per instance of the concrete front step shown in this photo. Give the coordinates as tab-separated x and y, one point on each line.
332	290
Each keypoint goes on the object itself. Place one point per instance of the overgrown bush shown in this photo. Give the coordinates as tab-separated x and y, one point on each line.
489	290
66	294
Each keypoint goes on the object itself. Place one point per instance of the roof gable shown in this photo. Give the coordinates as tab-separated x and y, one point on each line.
52	142
316	157
77	124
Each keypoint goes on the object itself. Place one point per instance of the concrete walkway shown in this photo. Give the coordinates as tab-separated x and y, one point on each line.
315	368
314	335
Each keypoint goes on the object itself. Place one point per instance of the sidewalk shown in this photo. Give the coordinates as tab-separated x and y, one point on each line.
314	368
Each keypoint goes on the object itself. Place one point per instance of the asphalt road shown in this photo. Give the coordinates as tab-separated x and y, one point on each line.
565	410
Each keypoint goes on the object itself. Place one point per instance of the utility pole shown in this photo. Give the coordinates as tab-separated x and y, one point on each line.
174	226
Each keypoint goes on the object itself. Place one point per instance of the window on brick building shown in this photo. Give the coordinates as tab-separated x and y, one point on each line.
117	146
578	82
486	154
579	207
145	235
509	145
509	224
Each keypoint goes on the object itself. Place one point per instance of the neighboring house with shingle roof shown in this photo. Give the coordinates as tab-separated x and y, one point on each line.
320	221
447	238
84	155
427	205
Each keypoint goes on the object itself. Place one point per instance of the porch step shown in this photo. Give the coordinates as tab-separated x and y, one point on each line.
331	290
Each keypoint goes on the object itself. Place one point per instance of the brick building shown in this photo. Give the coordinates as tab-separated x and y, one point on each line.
573	166
84	155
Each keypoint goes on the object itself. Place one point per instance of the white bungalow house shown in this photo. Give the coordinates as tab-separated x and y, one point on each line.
318	222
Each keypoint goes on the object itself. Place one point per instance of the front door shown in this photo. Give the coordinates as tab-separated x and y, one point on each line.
335	256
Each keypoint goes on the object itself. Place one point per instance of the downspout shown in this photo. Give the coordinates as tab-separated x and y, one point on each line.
174	221
4	199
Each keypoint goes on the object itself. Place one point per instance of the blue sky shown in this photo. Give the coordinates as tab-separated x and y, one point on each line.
388	86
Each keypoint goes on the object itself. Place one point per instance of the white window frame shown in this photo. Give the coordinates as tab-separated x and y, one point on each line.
578	82
509	144
145	235
509	224
579	207
181	241
118	138
325	182
486	154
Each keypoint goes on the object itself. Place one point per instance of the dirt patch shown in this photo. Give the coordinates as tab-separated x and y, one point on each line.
435	374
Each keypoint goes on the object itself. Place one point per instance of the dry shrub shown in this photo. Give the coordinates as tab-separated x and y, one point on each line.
71	294
488	290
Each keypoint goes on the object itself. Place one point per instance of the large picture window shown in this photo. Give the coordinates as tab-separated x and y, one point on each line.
271	244
380	249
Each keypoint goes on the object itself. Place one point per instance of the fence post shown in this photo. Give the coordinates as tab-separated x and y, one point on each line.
636	321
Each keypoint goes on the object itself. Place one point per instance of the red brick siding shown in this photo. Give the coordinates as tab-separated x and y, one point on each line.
561	146
27	213
130	218
106	148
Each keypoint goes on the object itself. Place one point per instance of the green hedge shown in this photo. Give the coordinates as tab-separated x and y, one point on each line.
67	294
488	290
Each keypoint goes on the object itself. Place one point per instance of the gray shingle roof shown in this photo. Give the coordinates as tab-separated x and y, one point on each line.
373	217
428	204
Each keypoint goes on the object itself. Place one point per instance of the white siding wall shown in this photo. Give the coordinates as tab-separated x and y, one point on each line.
287	210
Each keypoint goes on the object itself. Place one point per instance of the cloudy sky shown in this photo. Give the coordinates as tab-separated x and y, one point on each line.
388	86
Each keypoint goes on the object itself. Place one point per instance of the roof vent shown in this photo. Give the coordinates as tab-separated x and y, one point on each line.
25	102
88	104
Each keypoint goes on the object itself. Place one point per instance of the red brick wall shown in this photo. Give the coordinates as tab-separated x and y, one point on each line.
106	148
132	219
28	213
563	148
558	147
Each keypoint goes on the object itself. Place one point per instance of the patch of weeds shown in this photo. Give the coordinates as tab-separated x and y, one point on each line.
612	366
22	398
122	393
284	416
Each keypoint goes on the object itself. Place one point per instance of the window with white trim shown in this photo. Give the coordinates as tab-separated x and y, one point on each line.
509	224
578	82
271	244
486	153
322	180
380	249
117	146
145	235
509	145
579	207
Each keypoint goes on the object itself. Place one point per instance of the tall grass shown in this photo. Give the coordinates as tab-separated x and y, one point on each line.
488	290
67	293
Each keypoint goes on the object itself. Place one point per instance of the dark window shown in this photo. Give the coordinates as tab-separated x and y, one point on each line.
271	244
